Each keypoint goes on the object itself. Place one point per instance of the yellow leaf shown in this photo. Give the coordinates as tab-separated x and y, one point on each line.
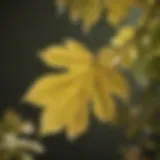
66	97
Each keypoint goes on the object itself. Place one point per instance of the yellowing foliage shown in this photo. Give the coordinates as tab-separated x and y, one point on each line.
90	11
65	97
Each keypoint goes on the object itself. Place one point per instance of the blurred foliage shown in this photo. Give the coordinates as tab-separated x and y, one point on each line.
148	44
13	145
89	12
145	40
144	117
135	47
142	120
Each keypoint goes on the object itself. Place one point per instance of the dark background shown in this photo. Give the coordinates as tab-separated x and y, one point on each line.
25	27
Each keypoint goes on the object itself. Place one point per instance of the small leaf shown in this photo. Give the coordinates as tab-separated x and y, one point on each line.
12	121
